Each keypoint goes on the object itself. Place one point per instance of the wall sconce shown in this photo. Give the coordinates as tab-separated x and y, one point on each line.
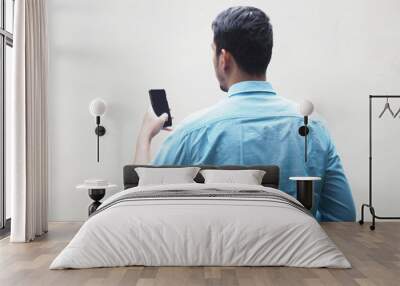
97	108
305	108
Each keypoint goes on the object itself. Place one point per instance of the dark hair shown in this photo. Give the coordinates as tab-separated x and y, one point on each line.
247	34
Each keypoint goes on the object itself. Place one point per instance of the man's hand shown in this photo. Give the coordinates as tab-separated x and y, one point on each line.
151	126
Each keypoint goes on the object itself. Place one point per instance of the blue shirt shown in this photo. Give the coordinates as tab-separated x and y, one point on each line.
255	126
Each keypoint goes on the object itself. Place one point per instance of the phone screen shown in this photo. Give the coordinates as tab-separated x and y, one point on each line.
158	99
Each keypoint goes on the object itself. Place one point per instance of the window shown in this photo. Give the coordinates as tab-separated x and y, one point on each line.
6	44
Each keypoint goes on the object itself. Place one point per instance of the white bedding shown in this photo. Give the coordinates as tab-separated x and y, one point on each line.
200	231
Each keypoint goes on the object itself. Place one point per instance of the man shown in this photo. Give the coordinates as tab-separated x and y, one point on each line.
253	125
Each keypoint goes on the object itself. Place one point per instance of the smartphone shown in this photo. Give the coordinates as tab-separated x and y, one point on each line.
158	99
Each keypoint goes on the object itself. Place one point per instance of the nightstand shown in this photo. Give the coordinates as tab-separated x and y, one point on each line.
96	193
305	190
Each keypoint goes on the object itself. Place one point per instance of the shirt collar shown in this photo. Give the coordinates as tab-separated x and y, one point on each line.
243	87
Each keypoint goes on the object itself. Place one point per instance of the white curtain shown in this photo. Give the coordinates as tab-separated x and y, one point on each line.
28	122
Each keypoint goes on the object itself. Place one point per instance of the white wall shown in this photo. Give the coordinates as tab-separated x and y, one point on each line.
335	53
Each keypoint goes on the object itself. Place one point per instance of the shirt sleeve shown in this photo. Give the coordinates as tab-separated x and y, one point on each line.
174	150
336	201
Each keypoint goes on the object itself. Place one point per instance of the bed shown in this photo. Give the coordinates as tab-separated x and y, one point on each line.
199	224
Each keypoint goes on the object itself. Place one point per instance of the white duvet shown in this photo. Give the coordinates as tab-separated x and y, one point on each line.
200	231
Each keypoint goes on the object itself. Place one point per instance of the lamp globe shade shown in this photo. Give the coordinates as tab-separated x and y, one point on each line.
97	107
306	108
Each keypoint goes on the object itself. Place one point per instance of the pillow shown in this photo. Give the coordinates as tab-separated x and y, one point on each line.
248	177
166	176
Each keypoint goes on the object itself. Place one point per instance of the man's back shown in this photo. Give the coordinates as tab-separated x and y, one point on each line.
254	126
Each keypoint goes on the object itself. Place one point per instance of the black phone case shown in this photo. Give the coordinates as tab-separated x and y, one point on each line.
154	95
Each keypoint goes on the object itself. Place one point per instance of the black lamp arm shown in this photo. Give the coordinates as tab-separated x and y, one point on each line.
303	131
100	131
305	138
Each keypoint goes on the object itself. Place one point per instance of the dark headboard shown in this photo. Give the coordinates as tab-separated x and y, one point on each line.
271	177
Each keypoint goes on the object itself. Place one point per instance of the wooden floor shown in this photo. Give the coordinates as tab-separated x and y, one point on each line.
375	257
